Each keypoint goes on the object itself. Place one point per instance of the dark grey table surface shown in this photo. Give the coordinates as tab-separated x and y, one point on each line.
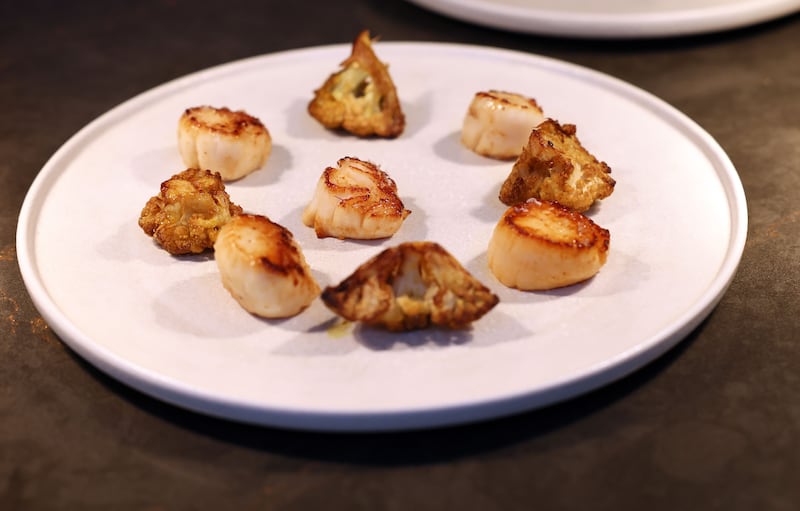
713	424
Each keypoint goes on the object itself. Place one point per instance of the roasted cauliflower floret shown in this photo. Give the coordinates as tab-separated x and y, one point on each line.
355	200
554	166
361	97
187	214
411	286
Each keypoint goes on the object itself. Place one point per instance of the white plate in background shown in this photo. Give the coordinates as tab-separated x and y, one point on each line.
613	18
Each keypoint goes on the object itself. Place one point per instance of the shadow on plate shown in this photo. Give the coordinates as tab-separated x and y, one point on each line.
405	448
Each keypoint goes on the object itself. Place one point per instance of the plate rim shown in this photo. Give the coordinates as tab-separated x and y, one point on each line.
547	22
421	417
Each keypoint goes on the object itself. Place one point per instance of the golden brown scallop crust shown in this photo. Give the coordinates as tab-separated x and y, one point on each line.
277	251
539	245
263	267
360	98
498	123
554	166
356	200
411	286
233	143
233	123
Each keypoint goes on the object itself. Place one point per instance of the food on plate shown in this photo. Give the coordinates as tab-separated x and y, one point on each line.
263	267
539	245
188	212
361	97
355	200
498	123
232	143
411	286
554	166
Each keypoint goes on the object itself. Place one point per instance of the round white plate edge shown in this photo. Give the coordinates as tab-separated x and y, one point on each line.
173	392
630	26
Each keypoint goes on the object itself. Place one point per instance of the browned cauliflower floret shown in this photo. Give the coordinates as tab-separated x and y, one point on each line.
413	285
361	97
187	214
554	166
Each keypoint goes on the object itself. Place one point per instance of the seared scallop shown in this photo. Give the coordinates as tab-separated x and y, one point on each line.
232	143
355	200
539	245
498	123
263	267
413	285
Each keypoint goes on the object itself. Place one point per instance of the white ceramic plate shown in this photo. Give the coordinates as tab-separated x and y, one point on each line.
166	326
613	18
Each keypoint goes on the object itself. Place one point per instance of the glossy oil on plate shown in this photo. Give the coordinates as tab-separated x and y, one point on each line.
613	18
166	326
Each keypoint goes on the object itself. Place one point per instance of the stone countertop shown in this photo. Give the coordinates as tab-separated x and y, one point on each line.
713	424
